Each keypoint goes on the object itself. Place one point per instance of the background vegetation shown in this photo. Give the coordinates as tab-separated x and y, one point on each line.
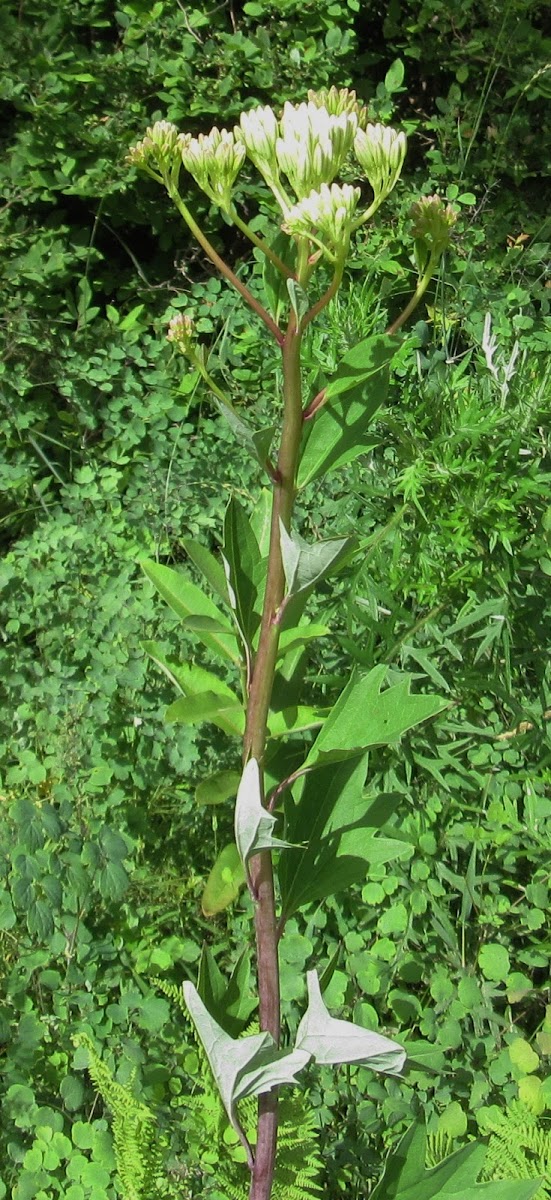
109	454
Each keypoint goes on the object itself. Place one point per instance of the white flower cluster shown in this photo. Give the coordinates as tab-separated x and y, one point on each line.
303	151
380	151
327	213
214	160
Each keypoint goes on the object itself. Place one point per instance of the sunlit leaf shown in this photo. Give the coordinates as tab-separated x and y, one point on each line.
224	883
331	1041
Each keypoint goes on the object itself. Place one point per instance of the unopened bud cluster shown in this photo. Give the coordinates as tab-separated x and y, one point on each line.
181	332
329	212
299	156
433	221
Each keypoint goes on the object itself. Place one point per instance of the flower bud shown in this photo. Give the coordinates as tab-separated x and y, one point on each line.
380	151
337	101
433	221
181	332
313	145
327	214
258	131
214	160
158	152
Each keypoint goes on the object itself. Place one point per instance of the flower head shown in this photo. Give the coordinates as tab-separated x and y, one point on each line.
214	160
380	151
313	145
433	221
258	130
158	152
338	101
328	212
181	332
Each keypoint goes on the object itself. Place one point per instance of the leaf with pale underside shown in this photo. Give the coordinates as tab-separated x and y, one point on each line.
306	564
253	824
241	1067
331	1041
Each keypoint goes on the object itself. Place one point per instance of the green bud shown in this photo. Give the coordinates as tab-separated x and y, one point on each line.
214	160
326	214
158	153
380	151
433	221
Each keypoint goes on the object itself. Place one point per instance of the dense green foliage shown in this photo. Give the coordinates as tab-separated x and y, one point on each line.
110	456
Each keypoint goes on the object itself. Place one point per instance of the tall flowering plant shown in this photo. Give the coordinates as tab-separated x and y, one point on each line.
305	831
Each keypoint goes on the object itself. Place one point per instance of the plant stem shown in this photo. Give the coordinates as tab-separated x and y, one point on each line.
263	673
417	295
223	267
261	245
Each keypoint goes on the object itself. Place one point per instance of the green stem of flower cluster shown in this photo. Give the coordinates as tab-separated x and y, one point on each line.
261	244
418	293
223	267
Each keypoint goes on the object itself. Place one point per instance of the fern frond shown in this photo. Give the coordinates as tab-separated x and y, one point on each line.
137	1144
519	1148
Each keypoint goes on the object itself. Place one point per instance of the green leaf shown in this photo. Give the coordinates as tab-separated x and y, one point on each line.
364	716
306	564
221	710
494	961
241	1067
187	600
253	823
366	359
224	883
394	77
330	1041
242	558
261	521
339	823
256	441
217	788
229	1003
339	433
301	635
405	1178
275	283
294	720
209	566
299	299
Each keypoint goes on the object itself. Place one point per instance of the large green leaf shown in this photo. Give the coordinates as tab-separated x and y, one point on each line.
209	566
339	824
366	716
224	883
338	434
405	1178
367	358
242	558
294	720
187	600
230	1003
331	1041
224	711
217	788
